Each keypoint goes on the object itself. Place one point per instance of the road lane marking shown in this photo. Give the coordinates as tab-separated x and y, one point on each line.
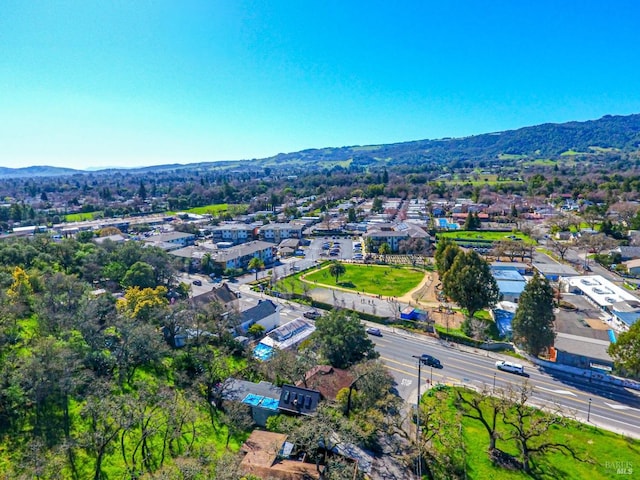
620	407
618	412
557	392
406	382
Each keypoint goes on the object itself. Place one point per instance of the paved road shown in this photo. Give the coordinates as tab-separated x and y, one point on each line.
612	407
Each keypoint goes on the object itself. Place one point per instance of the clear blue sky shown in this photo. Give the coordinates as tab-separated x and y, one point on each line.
128	83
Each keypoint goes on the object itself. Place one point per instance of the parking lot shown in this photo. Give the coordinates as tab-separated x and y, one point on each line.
337	248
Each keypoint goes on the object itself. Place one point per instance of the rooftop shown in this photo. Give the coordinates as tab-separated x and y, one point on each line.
237	390
261	458
300	400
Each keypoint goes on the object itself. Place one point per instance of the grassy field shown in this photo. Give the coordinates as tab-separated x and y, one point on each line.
478	179
572	153
541	162
219	208
604	449
81	217
374	279
488	236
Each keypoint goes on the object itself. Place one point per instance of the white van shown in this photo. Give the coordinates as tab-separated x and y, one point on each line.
510	367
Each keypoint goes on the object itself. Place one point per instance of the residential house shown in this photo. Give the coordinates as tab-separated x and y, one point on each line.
171	241
627	253
265	313
269	455
327	380
289	335
262	397
633	266
116	238
298	400
223	295
288	247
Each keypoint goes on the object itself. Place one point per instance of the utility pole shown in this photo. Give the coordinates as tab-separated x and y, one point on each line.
419	464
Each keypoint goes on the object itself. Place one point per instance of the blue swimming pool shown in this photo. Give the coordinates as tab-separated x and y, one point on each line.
263	352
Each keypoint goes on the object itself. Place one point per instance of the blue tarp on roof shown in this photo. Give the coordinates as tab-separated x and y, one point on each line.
503	322
270	403
252	399
509	287
259	400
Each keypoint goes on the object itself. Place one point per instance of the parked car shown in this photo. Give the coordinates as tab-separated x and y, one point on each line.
430	361
374	331
197	282
312	314
510	367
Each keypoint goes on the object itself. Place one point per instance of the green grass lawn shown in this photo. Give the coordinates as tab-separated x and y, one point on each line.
601	447
374	279
219	208
486	235
81	217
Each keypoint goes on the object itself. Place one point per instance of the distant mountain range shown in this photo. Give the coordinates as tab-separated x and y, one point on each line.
611	134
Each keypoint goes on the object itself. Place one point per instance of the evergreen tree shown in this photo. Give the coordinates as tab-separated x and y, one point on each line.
533	322
470	284
626	351
446	252
142	191
342	339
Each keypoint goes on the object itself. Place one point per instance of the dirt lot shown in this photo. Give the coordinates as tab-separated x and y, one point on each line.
425	297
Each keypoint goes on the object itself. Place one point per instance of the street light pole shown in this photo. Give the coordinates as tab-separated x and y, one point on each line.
419	464
494	380
589	411
418	403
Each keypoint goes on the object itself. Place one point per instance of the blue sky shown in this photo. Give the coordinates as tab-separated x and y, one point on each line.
86	84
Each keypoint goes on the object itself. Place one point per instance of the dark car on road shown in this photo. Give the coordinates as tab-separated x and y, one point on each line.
312	314
374	331
197	282
430	361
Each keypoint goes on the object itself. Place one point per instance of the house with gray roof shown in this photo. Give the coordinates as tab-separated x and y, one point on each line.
262	398
627	253
265	313
170	241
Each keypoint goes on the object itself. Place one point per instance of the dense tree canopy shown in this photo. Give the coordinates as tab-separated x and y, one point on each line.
469	282
445	254
533	321
342	339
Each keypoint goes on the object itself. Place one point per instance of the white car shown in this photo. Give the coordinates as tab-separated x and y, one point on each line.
510	367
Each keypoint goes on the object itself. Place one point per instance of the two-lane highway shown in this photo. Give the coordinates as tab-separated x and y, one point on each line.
608	406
